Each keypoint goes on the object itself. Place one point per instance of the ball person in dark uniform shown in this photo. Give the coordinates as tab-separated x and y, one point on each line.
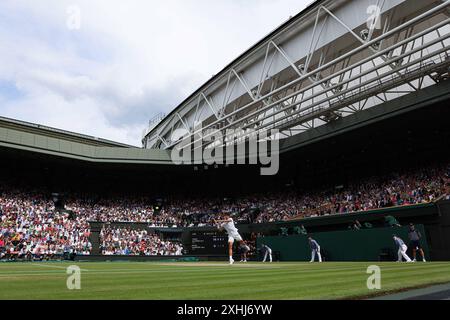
414	242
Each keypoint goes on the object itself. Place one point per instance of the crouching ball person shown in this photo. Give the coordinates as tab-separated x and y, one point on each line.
402	248
245	249
315	249
267	252
227	223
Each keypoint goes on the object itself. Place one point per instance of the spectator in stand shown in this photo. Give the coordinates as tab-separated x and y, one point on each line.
356	225
390	221
2	247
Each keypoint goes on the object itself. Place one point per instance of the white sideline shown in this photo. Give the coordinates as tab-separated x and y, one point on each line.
53	266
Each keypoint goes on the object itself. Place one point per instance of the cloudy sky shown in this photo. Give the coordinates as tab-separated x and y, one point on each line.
105	67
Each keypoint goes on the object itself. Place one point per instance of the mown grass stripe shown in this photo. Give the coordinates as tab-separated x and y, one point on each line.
156	281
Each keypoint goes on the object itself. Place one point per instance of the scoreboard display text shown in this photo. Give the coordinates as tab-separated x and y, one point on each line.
209	243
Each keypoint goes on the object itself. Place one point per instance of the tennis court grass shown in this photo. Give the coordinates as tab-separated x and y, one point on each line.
213	281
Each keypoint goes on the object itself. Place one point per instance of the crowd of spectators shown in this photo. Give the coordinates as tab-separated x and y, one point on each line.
130	242
398	189
30	226
409	188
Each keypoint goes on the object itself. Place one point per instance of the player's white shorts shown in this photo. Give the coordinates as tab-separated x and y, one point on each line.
234	236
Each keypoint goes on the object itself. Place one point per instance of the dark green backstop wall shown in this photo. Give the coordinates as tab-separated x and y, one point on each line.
350	245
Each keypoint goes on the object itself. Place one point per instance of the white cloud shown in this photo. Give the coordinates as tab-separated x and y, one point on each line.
129	61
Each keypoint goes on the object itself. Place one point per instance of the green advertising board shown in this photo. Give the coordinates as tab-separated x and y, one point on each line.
349	245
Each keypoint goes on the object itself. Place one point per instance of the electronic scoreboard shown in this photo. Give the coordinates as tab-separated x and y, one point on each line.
209	243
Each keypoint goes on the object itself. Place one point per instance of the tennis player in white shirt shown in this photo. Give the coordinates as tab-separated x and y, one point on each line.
227	224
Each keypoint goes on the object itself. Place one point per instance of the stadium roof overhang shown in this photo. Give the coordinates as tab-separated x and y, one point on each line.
322	65
20	135
40	142
65	135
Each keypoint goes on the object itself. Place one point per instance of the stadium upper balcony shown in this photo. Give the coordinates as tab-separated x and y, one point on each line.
38	129
20	135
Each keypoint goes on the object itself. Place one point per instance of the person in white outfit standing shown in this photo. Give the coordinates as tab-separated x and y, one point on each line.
267	252
315	249
402	248
227	223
